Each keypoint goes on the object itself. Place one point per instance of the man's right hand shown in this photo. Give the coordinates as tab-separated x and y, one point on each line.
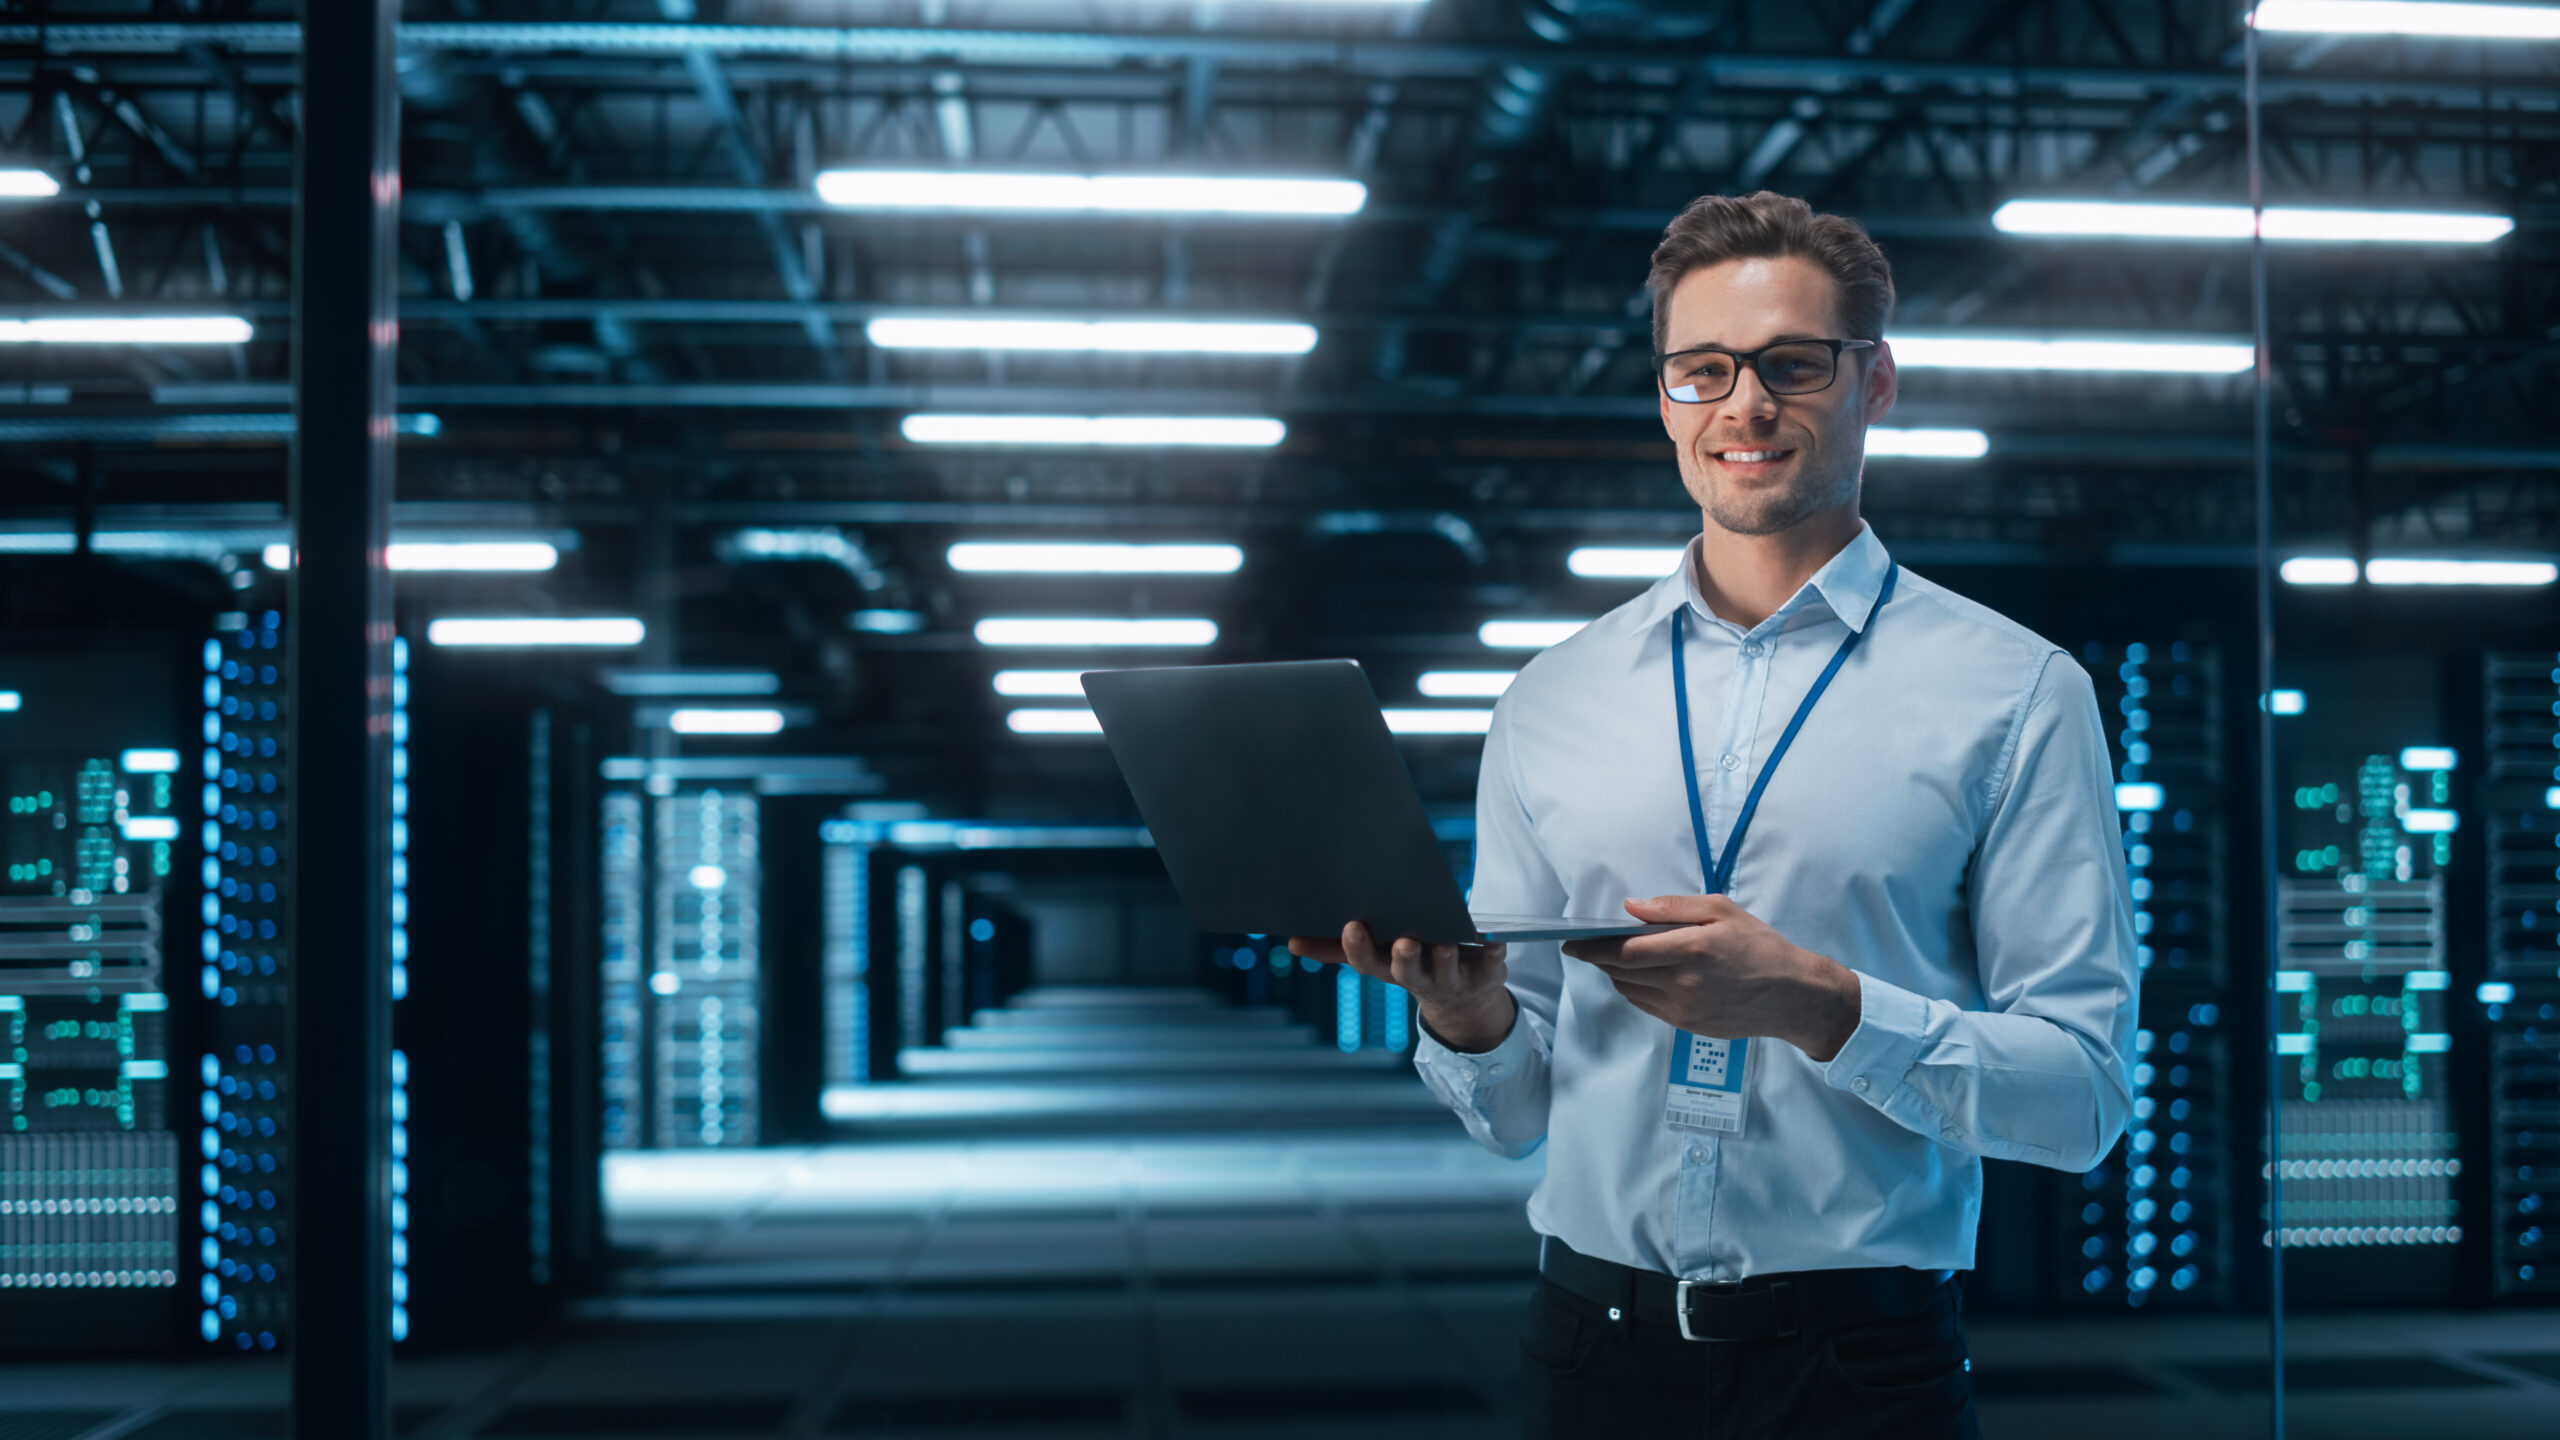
1458	987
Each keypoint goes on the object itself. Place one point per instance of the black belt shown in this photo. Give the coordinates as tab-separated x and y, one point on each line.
1763	1307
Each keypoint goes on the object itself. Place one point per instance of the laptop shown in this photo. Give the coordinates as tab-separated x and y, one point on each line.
1280	806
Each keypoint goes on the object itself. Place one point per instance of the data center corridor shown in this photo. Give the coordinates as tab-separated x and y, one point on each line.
1223	1230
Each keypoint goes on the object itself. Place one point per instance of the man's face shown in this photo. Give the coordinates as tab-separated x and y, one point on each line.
1758	463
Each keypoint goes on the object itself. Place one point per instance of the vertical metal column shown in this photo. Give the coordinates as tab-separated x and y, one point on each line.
347	199
2262	489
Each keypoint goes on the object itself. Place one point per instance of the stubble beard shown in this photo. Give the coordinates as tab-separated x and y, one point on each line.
1808	492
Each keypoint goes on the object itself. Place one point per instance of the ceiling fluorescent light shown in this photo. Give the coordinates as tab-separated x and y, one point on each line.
2144	220
535	630
993	557
691	682
28	185
2408	17
1438	722
126	330
2412	570
1611	562
11	700
148	762
1161	337
2150	355
473	556
1044	721
2318	570
515	555
1129	430
1526	634
2460	572
2427	757
1089	194
1886	441
1040	683
1465	684
1096	633
725	722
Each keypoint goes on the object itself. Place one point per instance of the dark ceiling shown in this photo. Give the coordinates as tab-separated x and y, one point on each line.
637	325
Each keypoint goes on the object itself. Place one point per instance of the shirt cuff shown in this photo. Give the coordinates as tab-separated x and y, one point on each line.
1886	1044
1467	1073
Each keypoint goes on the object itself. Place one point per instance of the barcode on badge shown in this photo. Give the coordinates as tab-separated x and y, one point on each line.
1694	1120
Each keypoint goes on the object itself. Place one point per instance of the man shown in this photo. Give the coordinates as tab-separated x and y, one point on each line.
1882	815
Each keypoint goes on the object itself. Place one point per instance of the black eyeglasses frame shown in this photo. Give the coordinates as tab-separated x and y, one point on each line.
1751	358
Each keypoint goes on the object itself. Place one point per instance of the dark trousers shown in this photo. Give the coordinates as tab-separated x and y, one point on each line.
1897	1379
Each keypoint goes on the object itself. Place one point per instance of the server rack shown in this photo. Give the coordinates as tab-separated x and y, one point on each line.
246	1208
2152	1224
682	966
2374	1145
99	918
2520	799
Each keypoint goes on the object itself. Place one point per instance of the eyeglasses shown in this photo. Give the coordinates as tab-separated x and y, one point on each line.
1790	367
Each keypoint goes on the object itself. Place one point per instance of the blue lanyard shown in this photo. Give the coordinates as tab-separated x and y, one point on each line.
1719	872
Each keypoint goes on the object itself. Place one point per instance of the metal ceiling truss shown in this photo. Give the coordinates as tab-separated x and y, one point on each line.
614	215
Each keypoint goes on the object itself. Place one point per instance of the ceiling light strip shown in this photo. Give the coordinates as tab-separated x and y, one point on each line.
526	632
1040	684
2145	220
126	330
1162	337
1053	193
1093	633
1130	431
2085	354
2417	570
2408	17
1002	557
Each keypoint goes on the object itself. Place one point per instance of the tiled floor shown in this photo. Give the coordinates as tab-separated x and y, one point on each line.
1159	1285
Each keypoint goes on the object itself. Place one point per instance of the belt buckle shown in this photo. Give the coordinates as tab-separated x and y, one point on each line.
1680	1304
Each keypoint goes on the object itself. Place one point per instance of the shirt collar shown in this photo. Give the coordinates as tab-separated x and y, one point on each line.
1848	583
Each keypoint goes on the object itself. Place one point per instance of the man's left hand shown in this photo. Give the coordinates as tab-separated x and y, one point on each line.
1727	975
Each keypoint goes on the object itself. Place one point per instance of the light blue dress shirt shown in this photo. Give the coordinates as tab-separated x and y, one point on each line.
1945	826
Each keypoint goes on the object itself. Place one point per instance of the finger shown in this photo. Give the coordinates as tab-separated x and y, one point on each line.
1657	952
1448	965
1370	964
1594	952
1357	943
1405	965
1310	947
1652	1002
1682	909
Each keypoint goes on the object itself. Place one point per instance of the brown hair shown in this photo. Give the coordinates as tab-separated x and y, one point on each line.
1765	225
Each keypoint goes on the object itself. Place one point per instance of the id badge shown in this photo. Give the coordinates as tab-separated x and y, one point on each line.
1708	1084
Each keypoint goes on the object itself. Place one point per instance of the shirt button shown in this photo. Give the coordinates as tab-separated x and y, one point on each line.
1753	648
1730	761
1950	1133
1697	1152
1858	1083
1493	1069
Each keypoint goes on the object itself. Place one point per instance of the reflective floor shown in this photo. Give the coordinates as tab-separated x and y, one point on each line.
1179	1271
